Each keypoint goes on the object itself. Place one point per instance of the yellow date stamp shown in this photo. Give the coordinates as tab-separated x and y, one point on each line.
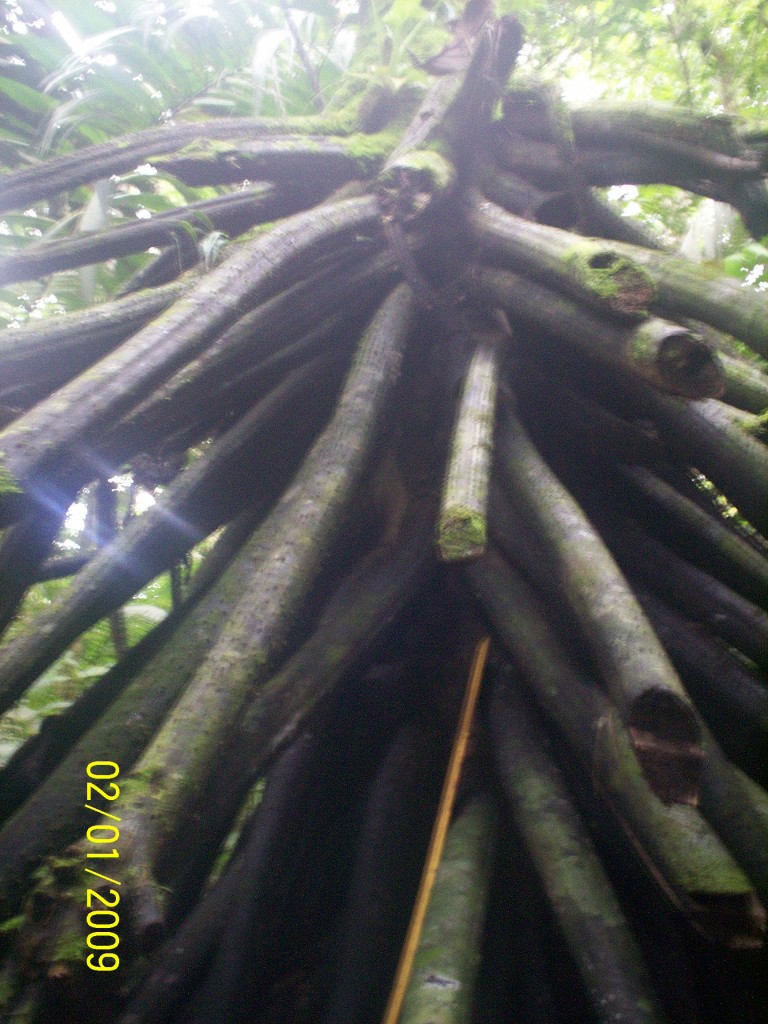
102	918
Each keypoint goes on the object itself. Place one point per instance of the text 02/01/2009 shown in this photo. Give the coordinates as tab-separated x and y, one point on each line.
102	919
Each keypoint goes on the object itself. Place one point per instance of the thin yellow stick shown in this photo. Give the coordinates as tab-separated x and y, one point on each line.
439	832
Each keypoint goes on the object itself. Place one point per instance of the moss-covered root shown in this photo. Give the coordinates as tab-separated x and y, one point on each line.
730	697
43	354
392	840
77	414
640	677
692	868
698	594
285	556
708	885
703	434
592	271
54	814
689	290
55	950
43	752
518	196
666	355
13	501
363	606
737	808
118	156
462	524
448	955
708	541
233	214
315	164
574	702
624	278
419	170
585	907
190	508
25	546
262	854
441	139
746	386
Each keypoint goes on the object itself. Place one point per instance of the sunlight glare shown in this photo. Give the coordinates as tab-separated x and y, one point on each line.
67	33
74	521
581	89
200	10
143	501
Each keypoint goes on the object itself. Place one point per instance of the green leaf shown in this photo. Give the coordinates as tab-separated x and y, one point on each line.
755	252
151	201
32	100
150	612
734	265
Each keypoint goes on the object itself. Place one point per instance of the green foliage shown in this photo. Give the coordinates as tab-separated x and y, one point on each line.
413	32
281	84
88	658
750	263
115	68
707	54
663	209
91	71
